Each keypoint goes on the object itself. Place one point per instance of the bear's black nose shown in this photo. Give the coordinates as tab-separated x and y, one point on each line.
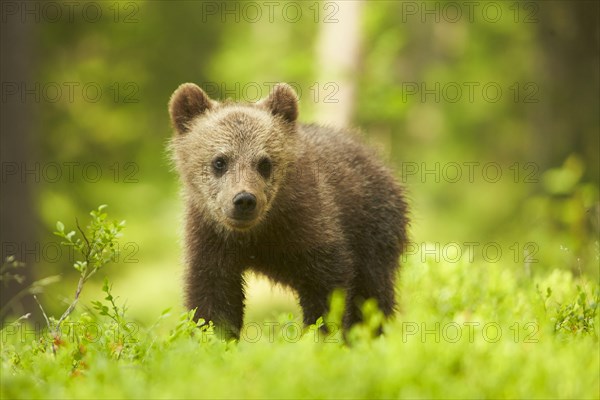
244	202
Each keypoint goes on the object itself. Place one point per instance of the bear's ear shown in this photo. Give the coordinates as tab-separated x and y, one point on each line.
282	102
188	102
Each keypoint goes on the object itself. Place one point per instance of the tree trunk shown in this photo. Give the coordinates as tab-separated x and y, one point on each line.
17	214
338	61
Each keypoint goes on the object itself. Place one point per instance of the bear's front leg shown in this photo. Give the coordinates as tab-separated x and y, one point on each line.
215	288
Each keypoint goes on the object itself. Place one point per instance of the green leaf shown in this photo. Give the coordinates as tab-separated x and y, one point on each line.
105	286
80	266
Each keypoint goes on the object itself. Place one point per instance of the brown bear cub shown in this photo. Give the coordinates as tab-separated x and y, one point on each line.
307	206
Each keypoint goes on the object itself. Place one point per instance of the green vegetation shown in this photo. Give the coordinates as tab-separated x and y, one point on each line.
472	330
498	291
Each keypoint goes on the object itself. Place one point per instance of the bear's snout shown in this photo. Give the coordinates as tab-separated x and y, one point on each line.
242	207
244	204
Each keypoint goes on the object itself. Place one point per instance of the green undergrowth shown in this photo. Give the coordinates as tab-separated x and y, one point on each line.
463	330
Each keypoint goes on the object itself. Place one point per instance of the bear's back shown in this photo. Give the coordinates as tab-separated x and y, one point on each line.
343	160
369	198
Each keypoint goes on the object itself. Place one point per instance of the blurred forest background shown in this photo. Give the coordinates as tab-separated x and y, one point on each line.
487	111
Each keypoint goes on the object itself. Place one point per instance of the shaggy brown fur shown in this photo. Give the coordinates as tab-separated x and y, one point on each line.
307	206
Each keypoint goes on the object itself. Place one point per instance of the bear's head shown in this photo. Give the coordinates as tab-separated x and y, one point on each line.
233	157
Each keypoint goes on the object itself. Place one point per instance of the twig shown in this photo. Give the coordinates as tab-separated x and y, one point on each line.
28	290
47	321
74	303
22	317
89	247
43	312
84	277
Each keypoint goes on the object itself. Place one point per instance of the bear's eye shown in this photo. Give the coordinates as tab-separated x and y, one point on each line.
219	164
265	167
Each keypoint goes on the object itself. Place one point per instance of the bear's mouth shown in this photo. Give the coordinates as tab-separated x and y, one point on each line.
240	220
241	223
